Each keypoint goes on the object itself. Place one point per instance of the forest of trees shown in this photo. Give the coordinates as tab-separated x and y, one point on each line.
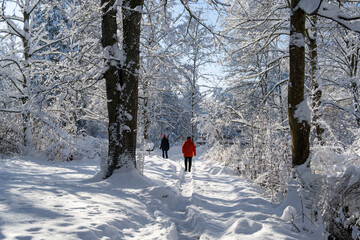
87	79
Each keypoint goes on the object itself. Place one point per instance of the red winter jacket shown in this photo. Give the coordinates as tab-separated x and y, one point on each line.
188	148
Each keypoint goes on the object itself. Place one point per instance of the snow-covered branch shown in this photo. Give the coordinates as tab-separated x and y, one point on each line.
330	11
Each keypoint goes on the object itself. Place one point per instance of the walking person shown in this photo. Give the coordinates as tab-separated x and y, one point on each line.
164	146
188	150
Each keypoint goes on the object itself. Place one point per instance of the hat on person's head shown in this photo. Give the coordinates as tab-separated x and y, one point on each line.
164	135
188	137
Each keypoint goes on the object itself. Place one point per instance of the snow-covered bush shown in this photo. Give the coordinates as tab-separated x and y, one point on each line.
268	161
339	198
10	136
227	154
58	142
264	158
341	205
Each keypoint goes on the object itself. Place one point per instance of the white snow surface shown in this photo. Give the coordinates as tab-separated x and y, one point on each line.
63	200
309	6
302	112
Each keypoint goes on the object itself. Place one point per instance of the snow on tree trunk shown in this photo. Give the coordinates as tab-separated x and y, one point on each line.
316	81
299	127
353	60
121	79
28	146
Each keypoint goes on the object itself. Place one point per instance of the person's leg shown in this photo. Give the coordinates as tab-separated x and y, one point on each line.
163	153
166	154
190	160
185	160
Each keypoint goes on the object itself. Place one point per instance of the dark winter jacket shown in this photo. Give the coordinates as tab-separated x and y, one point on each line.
165	144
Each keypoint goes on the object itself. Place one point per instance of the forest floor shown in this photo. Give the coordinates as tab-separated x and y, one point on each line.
63	200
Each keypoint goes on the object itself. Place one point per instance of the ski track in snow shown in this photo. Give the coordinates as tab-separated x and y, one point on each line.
43	200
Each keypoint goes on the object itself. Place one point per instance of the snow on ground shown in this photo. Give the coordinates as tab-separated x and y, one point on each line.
62	200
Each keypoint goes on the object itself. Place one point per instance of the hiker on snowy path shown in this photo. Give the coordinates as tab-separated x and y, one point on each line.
188	150
164	146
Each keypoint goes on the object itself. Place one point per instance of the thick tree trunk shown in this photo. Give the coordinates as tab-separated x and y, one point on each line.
121	79
299	128
129	75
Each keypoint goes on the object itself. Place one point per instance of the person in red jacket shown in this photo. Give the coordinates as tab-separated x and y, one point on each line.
188	150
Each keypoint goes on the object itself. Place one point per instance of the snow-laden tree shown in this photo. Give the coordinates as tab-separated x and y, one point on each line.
298	111
299	118
341	72
256	60
158	76
315	78
50	71
197	48
257	73
122	56
254	34
254	40
19	29
174	51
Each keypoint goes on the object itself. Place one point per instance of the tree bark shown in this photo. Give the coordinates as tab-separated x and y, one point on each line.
353	60
26	116
299	130
121	78
146	118
314	74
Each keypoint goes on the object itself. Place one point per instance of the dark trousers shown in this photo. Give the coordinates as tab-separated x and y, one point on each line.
165	153
188	161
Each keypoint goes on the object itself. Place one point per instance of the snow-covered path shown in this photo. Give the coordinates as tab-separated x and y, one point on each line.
218	205
44	200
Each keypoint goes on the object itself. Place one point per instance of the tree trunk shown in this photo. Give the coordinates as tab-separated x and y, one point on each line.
353	59
145	109
26	116
121	79
299	128
316	85
146	118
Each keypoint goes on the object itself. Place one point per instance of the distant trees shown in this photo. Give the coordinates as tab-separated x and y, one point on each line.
158	104
53	64
174	53
197	47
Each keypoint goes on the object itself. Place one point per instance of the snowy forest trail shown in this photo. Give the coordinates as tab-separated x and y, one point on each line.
66	200
220	205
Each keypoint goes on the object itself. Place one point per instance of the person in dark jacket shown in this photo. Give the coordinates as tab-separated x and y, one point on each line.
164	146
188	150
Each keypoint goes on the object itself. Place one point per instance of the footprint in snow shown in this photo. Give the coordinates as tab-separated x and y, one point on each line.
35	229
